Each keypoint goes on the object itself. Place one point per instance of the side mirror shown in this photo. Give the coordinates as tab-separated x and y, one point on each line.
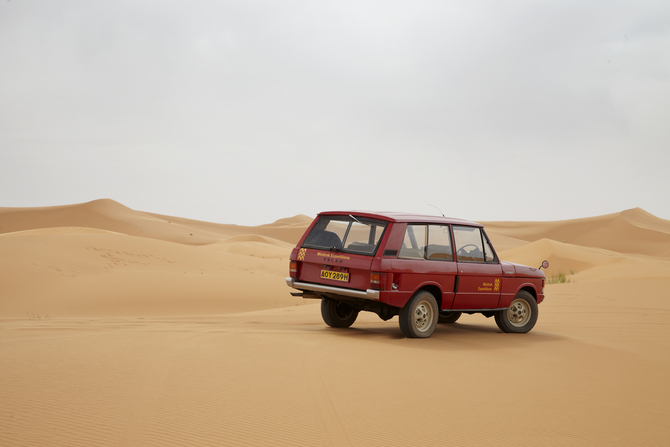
545	265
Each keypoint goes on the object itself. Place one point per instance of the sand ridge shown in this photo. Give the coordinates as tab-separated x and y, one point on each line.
129	328
107	214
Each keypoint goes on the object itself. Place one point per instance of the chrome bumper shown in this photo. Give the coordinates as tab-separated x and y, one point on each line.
366	295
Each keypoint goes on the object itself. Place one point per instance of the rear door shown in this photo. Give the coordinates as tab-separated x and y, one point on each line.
339	251
479	271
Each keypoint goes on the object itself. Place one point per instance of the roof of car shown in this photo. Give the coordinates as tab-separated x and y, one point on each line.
394	216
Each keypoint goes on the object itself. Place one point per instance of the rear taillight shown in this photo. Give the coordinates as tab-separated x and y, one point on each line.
377	280
293	269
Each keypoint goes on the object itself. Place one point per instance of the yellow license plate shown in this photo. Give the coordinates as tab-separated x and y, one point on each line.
337	276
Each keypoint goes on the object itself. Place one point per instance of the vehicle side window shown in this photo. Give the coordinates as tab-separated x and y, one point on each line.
469	246
427	242
439	243
414	243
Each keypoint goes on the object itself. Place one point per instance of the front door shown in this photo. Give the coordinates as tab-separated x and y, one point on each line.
479	271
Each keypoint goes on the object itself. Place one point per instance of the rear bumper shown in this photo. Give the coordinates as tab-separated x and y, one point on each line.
368	294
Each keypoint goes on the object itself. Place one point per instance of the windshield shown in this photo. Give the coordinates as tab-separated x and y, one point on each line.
348	234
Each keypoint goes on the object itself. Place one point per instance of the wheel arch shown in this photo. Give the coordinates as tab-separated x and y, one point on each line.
530	289
435	290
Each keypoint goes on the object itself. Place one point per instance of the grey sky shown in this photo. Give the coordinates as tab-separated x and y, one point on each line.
246	112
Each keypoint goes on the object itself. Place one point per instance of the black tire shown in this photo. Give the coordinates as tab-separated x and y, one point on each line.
449	317
337	314
521	315
419	316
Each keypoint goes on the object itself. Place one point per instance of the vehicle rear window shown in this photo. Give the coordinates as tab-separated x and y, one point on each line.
349	234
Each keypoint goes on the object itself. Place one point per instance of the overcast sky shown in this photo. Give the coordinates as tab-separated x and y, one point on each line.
250	111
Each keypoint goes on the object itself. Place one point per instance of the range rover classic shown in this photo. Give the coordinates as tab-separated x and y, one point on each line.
425	269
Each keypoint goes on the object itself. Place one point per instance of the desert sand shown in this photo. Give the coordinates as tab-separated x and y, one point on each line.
127	328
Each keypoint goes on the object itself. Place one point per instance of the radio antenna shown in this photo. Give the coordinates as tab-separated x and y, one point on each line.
437	209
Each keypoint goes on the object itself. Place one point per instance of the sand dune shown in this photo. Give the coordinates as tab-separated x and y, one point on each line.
104	259
128	328
256	246
106	214
60	230
103	274
631	231
588	263
503	243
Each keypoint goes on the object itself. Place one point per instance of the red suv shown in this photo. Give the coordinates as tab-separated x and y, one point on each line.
425	269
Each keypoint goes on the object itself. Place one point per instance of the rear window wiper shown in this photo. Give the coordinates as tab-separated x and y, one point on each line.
362	223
